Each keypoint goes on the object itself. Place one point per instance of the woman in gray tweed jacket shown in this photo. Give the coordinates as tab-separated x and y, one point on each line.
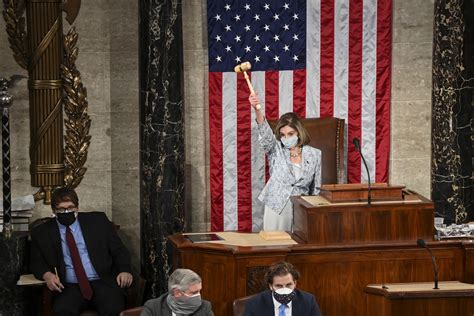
295	167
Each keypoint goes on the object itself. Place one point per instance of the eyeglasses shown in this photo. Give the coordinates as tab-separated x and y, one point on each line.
65	210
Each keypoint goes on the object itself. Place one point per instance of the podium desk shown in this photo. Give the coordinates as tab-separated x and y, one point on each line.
318	221
452	298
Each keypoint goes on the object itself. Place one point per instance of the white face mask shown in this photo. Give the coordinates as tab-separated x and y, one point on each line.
284	291
284	295
289	142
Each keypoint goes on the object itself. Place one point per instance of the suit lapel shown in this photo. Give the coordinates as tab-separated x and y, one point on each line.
268	299
87	232
289	165
296	305
305	162
55	238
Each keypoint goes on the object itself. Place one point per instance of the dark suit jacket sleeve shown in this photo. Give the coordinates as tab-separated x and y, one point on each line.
38	262
256	305
118	251
314	308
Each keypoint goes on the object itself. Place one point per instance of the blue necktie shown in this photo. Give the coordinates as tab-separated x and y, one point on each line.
282	310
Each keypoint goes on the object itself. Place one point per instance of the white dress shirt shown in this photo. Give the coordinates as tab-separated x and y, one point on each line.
277	304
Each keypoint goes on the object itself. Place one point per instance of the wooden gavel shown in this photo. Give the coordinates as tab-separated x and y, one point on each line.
243	68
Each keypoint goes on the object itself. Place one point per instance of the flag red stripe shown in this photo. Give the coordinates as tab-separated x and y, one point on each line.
244	157
215	147
272	79
327	59
384	51
299	92
354	123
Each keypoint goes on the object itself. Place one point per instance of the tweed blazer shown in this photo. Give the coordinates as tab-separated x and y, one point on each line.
282	183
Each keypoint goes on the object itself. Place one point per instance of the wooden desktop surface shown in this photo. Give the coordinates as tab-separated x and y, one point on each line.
421	299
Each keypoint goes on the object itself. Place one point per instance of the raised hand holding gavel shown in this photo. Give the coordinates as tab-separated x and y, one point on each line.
243	68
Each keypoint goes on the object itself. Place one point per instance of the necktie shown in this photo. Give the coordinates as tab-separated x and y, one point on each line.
282	310
81	276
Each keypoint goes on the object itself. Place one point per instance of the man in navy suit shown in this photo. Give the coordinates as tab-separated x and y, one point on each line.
282	298
81	258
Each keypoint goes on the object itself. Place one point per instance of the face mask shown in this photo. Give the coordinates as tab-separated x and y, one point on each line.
284	295
184	305
66	219
289	142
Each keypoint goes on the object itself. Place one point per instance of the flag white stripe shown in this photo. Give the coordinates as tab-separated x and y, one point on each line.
229	140
341	58
369	85
258	156
313	59
285	88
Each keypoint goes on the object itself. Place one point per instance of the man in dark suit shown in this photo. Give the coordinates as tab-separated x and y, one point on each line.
81	258
282	298
183	297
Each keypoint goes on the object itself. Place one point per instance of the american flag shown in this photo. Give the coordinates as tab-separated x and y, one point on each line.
317	58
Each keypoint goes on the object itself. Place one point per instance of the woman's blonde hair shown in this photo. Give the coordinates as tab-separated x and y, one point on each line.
293	120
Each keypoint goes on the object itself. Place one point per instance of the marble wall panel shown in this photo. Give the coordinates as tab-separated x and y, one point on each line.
196	116
414	173
413	21
162	145
411	122
124	117
411	94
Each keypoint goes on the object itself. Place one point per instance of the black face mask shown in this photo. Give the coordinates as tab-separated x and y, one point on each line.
66	219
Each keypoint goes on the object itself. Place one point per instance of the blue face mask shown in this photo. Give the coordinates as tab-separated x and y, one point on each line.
289	142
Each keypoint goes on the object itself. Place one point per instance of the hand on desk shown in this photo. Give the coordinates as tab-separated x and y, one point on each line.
124	279
53	282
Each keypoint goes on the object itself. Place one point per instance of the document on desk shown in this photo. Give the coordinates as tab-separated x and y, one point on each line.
29	279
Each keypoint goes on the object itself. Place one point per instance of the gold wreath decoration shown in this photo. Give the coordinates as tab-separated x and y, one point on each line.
78	122
15	26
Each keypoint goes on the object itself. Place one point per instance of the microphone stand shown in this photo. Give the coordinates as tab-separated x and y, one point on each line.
356	143
422	243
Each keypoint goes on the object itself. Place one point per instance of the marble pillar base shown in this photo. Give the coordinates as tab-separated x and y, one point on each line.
12	265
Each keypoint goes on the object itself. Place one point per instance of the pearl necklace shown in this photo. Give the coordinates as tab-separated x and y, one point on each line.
294	155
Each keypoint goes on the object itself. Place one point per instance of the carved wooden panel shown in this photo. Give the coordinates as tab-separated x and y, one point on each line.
255	279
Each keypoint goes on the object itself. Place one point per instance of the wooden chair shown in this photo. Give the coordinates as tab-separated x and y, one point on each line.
239	304
327	134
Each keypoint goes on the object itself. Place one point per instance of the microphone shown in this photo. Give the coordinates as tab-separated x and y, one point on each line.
421	243
356	143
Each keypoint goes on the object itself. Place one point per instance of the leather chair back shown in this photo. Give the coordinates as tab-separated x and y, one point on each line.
239	305
327	134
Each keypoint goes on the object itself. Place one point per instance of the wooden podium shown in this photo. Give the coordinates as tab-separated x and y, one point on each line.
452	298
319	221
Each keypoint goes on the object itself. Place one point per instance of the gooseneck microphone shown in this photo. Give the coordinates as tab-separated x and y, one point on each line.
356	143
422	243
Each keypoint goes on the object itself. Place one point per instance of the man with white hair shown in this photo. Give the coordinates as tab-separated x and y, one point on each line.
183	297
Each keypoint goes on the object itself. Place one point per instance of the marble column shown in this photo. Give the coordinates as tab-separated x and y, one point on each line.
12	262
161	137
451	168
